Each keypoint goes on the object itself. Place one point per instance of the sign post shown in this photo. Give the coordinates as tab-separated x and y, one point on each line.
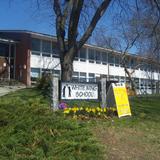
103	92
55	93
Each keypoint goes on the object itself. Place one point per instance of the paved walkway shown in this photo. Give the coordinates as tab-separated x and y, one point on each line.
6	89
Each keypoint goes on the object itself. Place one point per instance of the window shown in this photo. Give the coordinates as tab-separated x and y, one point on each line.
46	46
82	54
75	76
46	71
55	51
98	57
77	56
57	73
91	77
35	44
91	55
117	60
82	77
128	62
122	79
111	78
111	59
35	53
46	54
104	58
133	62
4	50
35	73
116	78
12	50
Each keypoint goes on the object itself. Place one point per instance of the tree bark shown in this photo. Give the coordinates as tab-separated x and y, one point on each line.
67	65
133	86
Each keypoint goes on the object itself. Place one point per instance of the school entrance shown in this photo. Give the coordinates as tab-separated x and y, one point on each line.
7	59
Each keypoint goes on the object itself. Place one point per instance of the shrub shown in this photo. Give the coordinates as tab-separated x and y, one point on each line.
44	84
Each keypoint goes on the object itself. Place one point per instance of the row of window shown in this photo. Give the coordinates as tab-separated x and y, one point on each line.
77	76
82	77
48	48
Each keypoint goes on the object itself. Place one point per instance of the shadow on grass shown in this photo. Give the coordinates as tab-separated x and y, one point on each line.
146	107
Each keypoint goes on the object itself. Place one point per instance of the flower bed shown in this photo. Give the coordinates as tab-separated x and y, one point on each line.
87	112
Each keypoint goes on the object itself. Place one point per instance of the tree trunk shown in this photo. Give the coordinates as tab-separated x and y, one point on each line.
133	86
67	67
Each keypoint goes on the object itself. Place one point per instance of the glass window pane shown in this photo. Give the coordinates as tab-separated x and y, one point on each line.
4	50
98	56
35	44
91	55
55	50
46	71
46	46
56	72
46	54
35	53
117	60
75	76
77	56
111	58
104	57
92	77
35	72
82	54
127	61
82	77
12	50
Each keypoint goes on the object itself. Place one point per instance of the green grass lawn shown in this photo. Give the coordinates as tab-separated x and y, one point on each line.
29	129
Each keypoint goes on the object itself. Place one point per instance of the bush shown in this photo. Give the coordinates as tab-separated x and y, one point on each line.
44	84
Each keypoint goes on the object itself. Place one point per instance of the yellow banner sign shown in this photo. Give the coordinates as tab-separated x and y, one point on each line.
121	99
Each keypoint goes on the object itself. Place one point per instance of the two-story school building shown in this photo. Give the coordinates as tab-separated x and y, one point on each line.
30	54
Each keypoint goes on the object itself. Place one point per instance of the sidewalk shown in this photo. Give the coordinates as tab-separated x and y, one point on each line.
7	89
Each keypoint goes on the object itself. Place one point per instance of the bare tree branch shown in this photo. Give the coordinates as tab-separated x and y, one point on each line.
73	22
99	13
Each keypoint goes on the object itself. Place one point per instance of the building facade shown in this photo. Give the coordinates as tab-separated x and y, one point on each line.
35	53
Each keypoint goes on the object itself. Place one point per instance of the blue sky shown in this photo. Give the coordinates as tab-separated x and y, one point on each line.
23	15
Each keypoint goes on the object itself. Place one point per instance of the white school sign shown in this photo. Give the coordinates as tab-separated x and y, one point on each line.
73	90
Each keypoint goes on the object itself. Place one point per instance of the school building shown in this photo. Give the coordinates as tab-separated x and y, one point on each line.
25	55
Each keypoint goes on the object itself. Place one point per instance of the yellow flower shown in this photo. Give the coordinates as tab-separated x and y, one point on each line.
74	109
93	110
81	109
86	109
89	109
98	109
104	110
66	111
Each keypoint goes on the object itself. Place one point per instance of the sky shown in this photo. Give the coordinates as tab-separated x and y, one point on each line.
22	15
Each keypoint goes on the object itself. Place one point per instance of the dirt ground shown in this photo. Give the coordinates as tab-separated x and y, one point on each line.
127	144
